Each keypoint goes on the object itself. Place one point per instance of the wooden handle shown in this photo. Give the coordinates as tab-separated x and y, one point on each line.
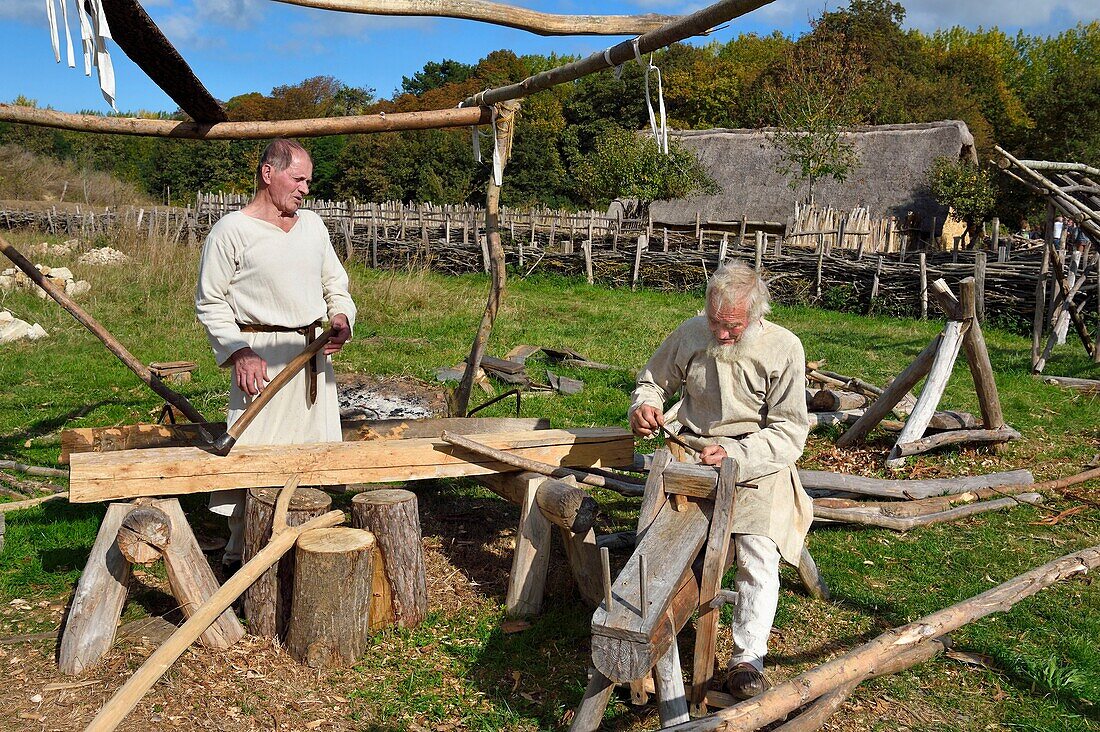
224	443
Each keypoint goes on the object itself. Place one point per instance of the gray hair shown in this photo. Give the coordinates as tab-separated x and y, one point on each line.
278	154
735	283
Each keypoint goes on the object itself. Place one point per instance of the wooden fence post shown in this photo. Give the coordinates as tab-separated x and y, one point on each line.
979	285
923	286
643	244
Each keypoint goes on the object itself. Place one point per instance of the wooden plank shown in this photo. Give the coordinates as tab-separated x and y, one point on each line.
626	642
934	385
143	436
490	363
178	470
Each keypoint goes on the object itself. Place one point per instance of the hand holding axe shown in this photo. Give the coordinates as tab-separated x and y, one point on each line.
224	444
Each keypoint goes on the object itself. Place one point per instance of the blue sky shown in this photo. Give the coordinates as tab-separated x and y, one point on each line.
238	46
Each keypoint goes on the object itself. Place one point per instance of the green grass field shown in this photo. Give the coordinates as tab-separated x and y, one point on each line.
1034	668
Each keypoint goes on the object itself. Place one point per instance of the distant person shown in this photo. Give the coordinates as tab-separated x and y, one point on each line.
741	381
268	275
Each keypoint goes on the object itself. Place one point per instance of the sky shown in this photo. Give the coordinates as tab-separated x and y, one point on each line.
240	46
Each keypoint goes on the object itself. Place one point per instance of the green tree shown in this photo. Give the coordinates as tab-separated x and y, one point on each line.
626	164
434	75
966	189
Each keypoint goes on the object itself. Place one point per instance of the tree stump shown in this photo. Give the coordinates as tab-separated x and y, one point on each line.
267	601
400	587
330	629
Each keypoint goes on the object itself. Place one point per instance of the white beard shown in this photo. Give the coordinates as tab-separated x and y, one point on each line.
729	353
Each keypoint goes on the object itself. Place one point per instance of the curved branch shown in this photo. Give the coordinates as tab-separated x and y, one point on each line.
318	127
543	24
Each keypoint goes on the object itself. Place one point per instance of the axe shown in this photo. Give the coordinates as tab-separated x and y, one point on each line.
225	442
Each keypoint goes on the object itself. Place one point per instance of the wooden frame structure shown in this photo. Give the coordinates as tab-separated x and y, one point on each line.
1076	196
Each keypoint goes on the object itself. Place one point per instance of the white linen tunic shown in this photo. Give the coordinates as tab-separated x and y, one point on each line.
754	407
253	272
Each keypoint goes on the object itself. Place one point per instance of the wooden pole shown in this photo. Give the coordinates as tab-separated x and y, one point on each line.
977	357
113	345
979	285
677	30
786	697
319	127
126	698
553	471
923	286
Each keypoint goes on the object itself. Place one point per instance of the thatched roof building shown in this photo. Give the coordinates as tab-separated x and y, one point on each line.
889	179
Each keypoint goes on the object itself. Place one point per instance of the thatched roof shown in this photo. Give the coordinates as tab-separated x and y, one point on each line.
889	179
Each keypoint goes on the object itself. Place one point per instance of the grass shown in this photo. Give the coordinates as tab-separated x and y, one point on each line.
1040	666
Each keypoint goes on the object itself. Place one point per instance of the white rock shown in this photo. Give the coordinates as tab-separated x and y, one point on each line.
76	288
14	329
6	316
36	332
104	256
61	273
73	244
7	282
9	272
60	250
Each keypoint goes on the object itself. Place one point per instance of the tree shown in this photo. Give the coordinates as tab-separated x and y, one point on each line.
964	188
626	164
810	98
434	75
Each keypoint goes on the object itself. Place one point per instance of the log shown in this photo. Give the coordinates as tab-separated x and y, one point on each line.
331	629
677	30
699	481
984	437
894	393
89	629
392	516
932	391
1088	386
875	517
828	400
788	696
33	469
191	579
815	715
478	446
317	127
31	502
977	357
811	578
509	16
567	506
144	534
267	601
126	698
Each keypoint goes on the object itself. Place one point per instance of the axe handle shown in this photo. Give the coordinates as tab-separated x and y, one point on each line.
225	442
113	345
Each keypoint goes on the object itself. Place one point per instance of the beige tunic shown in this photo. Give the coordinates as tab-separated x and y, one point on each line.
755	408
253	272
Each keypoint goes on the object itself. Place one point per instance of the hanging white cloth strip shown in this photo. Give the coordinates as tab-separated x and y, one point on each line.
660	132
94	34
498	160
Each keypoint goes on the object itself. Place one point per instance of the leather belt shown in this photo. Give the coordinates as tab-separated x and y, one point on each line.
310	332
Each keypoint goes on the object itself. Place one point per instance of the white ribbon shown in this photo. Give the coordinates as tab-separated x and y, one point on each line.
498	161
94	34
660	133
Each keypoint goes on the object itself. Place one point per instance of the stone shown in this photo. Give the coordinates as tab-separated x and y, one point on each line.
76	288
60	273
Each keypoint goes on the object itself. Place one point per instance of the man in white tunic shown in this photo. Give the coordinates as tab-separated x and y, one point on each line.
267	277
741	381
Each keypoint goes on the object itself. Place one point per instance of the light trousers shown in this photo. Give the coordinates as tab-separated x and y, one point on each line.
757	587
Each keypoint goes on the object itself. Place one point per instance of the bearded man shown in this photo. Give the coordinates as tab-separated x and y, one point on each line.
267	277
741	381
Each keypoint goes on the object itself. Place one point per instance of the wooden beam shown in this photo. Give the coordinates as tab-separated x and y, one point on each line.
140	39
543	24
679	29
178	470
144	436
317	127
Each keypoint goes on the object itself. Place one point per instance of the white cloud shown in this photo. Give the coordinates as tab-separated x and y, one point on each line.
27	11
